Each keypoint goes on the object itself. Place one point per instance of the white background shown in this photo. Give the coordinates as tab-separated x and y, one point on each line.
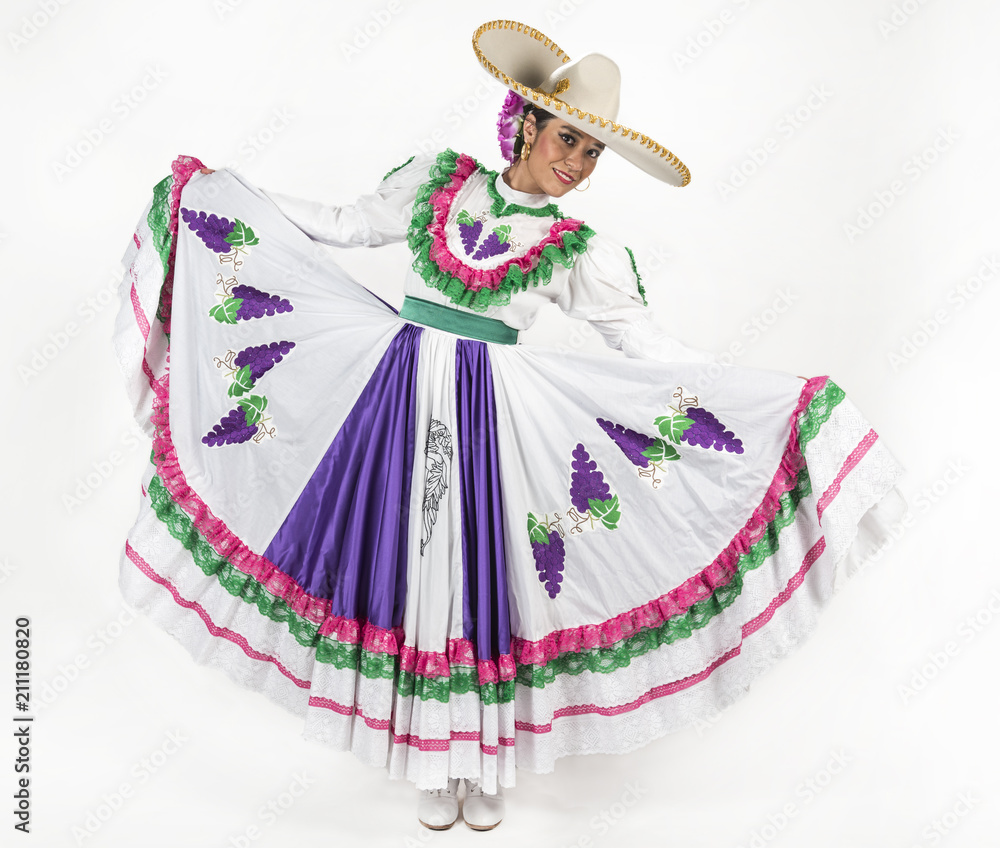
712	80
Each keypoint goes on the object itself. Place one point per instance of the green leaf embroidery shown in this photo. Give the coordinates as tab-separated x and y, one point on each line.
465	218
253	407
673	426
242	382
536	530
502	233
606	512
242	235
225	312
659	451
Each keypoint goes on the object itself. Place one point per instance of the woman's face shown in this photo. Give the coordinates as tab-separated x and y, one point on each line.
561	158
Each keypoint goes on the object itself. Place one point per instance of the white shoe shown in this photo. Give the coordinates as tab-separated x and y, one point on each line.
438	808
482	811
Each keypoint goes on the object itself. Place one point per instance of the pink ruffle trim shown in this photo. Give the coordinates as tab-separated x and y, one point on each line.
228	545
472	278
181	168
459	651
696	588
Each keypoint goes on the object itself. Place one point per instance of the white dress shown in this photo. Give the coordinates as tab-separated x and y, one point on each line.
455	557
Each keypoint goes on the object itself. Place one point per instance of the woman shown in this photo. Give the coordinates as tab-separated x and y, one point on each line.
452	554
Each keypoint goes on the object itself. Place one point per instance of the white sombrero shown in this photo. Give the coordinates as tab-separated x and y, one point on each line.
584	92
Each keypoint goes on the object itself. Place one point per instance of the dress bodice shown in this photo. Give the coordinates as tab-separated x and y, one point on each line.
480	246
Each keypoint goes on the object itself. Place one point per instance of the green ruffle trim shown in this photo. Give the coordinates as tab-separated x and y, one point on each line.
682	625
421	241
818	412
158	221
464	679
397	168
638	279
341	655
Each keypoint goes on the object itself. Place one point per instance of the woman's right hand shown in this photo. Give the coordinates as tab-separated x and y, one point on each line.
208	170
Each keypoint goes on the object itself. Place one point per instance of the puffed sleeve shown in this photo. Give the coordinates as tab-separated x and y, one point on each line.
603	289
372	221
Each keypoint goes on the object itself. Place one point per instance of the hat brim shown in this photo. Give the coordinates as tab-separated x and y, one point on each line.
522	58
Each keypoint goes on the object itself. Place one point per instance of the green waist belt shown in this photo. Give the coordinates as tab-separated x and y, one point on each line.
458	322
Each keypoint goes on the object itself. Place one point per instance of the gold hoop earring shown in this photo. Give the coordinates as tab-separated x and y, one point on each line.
583	189
525	151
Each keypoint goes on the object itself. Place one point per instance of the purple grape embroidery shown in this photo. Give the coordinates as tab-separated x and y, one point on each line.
211	229
549	559
495	243
586	483
238	425
251	363
246	302
257	304
231	430
219	234
708	432
632	444
262	358
469	229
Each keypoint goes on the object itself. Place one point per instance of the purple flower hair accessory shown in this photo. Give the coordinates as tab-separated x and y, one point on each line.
509	123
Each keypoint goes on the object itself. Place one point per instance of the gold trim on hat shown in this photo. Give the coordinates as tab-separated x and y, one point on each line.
549	100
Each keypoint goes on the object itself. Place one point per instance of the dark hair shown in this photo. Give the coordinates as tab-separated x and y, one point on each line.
541	119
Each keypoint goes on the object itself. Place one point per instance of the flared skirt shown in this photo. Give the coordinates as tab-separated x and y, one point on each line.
451	557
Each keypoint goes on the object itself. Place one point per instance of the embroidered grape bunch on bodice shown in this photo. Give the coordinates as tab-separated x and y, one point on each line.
496	243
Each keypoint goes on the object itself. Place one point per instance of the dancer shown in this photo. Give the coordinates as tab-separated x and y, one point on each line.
454	554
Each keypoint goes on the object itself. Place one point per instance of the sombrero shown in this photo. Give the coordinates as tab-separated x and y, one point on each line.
584	93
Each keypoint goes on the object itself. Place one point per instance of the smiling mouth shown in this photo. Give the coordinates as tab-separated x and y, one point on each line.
563	176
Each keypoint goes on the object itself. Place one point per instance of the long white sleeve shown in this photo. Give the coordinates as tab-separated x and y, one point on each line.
372	221
603	290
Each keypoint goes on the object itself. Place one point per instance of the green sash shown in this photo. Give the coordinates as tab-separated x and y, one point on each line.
456	321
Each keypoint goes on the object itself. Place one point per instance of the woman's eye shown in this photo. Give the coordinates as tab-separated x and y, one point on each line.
568	139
